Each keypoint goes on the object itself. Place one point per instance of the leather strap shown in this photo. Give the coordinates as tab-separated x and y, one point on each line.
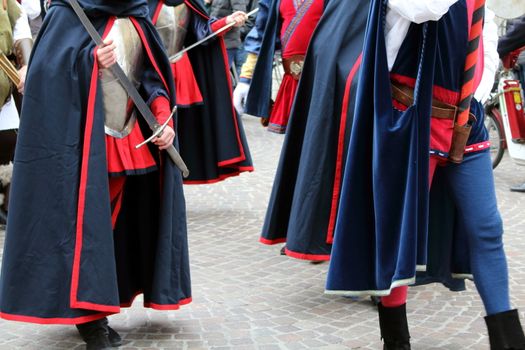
405	95
293	65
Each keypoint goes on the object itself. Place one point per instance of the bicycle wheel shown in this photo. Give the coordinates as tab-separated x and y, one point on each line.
495	137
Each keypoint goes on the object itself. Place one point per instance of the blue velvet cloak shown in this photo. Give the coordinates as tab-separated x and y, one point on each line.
62	262
384	232
211	135
305	195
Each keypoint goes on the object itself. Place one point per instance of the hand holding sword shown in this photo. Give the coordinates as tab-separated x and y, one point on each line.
235	19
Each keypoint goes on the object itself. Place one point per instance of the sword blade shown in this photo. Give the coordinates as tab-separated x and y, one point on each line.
212	35
129	87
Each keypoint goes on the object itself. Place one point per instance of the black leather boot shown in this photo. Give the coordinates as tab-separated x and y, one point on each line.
394	327
505	332
95	334
113	336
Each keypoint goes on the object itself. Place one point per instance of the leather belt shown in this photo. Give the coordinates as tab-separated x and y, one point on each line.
293	65
405	95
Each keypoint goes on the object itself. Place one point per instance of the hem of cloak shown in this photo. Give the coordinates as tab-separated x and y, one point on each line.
340	150
377	292
222	177
84	319
395	284
292	254
277	128
304	256
231	161
155	306
56	320
272	241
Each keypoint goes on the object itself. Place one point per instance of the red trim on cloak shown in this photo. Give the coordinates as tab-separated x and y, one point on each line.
169	306
151	305
148	51
42	320
157	12
86	148
311	257
222	177
234	112
272	241
340	150
194	9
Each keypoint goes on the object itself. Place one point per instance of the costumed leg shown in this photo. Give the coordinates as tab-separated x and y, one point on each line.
472	186
98	334
392	308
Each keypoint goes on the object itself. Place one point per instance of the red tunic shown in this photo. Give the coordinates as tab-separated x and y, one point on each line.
299	18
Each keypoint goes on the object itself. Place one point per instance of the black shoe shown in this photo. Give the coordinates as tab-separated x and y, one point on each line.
95	334
283	250
518	188
316	262
394	327
113	336
505	332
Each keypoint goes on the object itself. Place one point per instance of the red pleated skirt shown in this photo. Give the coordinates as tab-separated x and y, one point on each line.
124	159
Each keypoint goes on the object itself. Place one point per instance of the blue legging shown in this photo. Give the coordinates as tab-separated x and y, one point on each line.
471	185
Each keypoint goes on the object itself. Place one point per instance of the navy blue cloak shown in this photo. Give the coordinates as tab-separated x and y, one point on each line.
389	226
63	262
211	135
305	195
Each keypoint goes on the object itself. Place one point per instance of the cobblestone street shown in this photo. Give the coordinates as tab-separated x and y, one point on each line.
247	296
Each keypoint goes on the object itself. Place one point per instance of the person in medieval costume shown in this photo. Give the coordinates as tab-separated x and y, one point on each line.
287	25
415	124
15	43
94	221
305	196
211	135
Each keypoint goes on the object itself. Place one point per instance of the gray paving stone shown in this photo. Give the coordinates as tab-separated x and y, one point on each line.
247	296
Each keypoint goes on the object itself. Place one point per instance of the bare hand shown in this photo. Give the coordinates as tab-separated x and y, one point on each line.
238	17
165	140
106	55
22	72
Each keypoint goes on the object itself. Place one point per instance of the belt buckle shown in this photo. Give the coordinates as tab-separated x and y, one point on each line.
296	68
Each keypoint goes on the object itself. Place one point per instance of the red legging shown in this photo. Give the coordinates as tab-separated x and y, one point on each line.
398	295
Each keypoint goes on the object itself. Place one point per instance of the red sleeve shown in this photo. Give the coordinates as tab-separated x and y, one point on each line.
161	110
218	24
